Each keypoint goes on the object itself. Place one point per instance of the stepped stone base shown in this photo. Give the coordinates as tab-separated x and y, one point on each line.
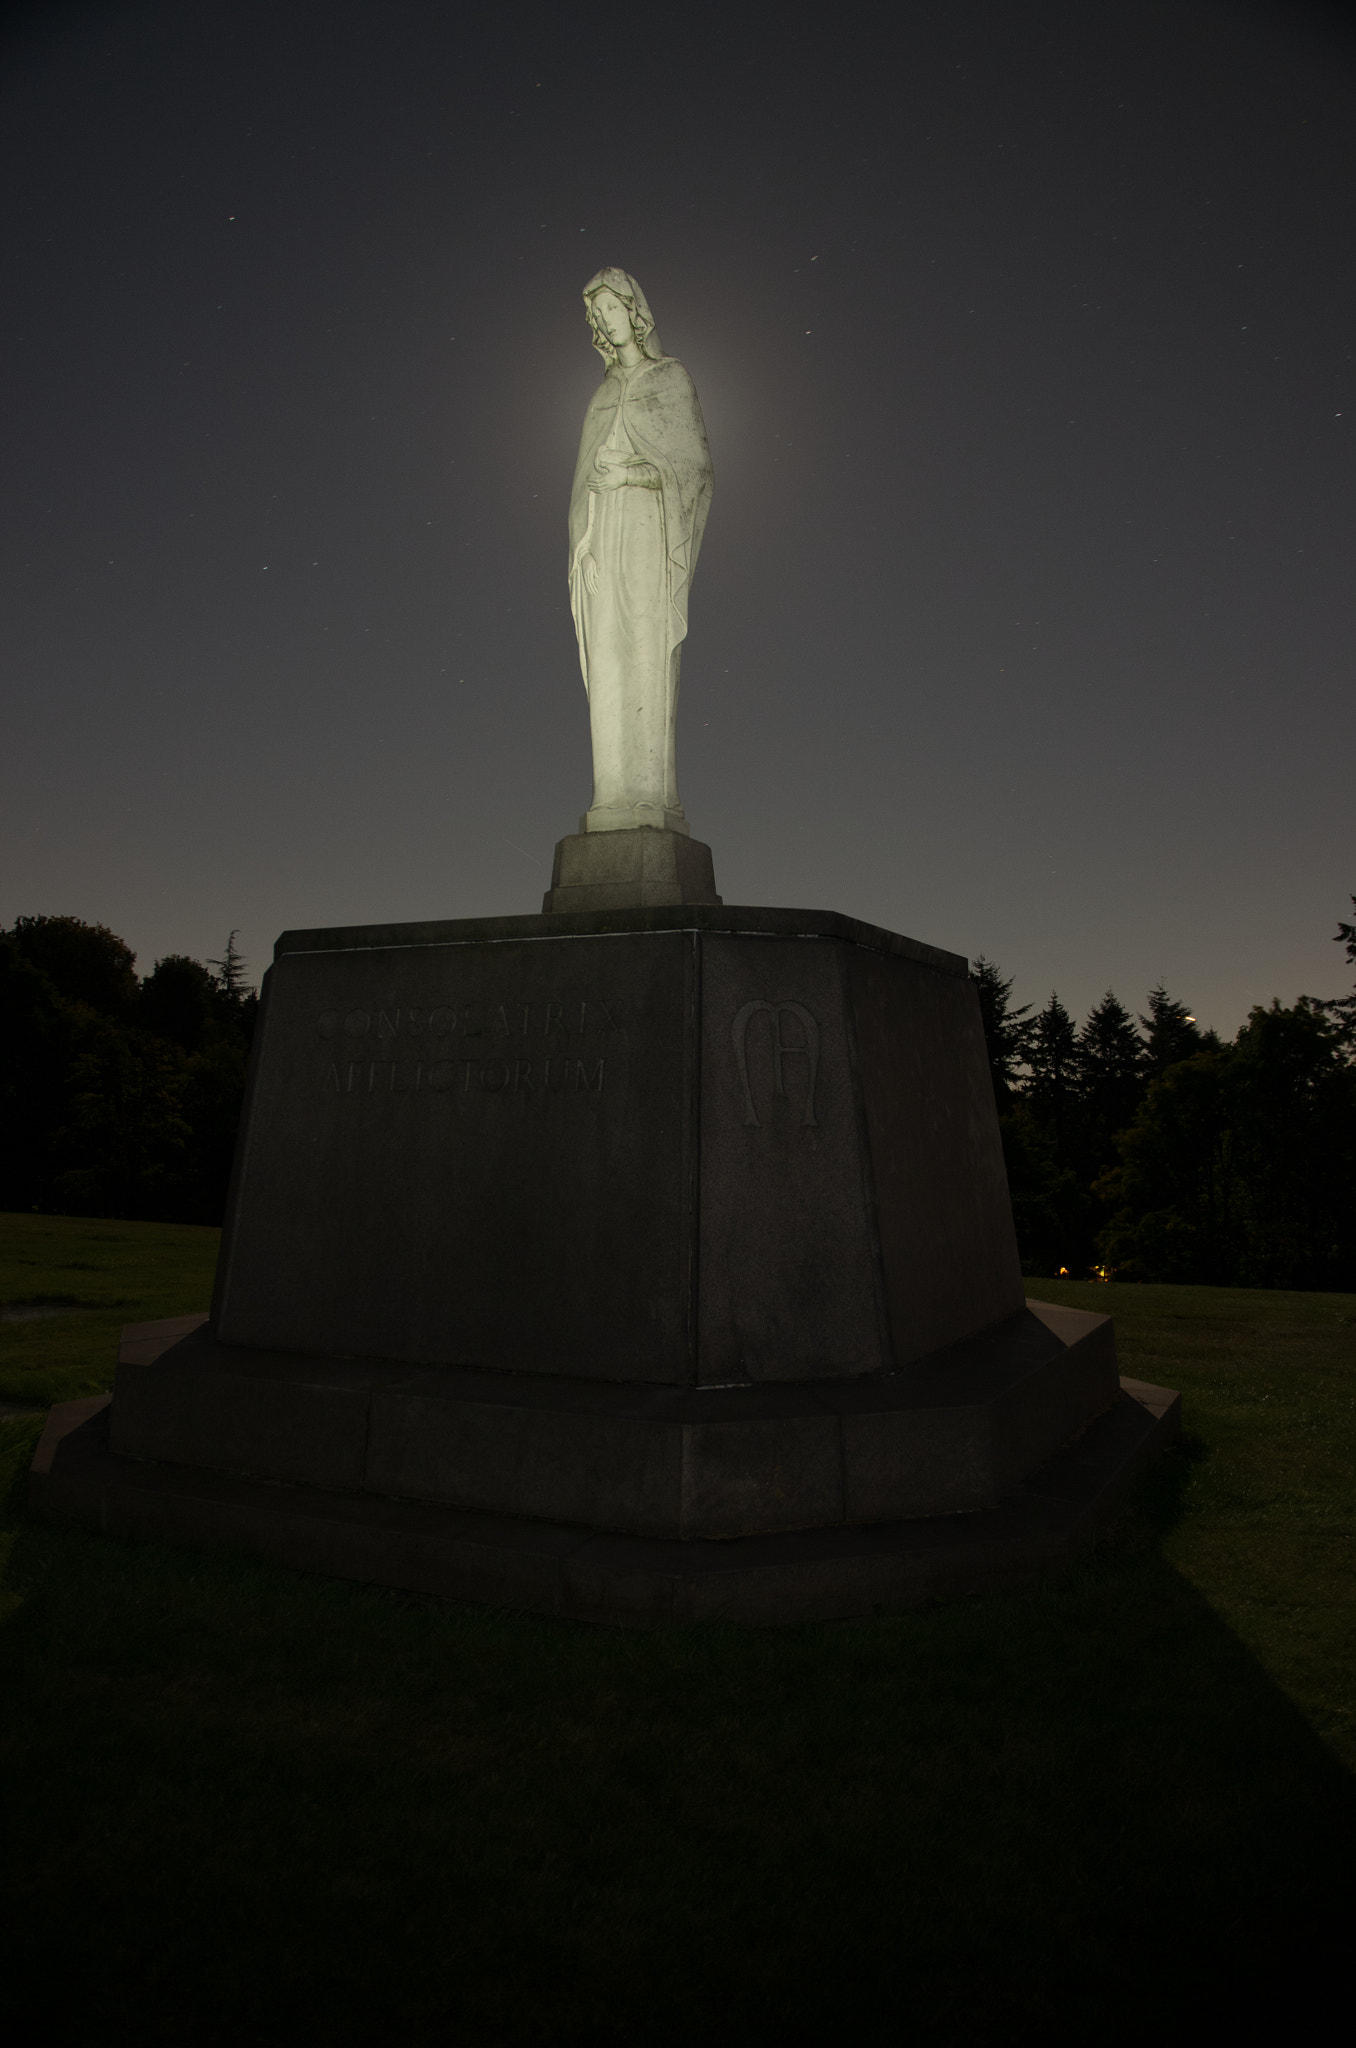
951	1435
995	1461
586	1575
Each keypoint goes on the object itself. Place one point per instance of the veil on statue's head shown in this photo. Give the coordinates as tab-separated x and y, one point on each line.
642	319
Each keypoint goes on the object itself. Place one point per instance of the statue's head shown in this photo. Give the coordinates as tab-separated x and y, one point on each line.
617	313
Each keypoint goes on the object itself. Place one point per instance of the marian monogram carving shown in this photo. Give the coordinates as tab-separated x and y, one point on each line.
807	1050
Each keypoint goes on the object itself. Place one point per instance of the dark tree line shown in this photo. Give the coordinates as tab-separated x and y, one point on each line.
1141	1144
118	1096
1148	1146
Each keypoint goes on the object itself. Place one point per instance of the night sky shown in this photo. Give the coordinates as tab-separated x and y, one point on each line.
1024	335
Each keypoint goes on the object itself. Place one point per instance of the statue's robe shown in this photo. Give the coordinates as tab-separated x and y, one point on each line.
643	539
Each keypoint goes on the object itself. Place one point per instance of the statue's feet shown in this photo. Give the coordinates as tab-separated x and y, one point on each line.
632	817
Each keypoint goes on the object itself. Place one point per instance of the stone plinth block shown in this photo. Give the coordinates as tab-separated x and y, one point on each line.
950	1437
635	869
679	1147
584	1574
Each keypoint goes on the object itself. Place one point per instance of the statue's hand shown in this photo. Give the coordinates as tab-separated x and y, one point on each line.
588	569
611	475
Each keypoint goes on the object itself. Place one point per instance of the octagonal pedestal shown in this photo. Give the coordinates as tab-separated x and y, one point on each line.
633	1265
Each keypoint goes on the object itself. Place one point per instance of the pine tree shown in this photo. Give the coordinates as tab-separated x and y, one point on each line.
1056	1074
1052	1053
1171	1032
1111	1067
1238	1169
1343	1008
231	973
1005	1035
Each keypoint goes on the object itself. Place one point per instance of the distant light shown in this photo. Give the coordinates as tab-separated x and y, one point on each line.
1188	1020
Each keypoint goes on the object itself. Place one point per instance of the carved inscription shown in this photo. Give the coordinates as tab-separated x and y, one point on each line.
807	1049
575	1018
495	1077
453	1048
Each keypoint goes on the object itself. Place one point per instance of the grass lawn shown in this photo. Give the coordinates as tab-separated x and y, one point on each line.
102	1275
243	1806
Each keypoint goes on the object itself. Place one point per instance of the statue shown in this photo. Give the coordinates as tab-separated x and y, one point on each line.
642	488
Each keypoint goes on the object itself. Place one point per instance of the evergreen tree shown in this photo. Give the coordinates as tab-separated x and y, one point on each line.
1293	1094
1111	1065
1171	1033
1057	1219
35	1060
1175	1190
1055	1070
1343	1008
211	1018
1005	1035
1048	1206
1239	1167
231	973
117	1099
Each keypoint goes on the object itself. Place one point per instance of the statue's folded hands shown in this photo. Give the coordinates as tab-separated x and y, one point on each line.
612	471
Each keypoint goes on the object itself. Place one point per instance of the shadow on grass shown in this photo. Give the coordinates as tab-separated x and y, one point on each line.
247	1806
1160	1497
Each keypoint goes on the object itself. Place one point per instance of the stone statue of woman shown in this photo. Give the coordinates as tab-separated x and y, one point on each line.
641	492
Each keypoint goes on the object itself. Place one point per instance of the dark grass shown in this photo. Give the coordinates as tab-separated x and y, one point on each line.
247	1806
105	1274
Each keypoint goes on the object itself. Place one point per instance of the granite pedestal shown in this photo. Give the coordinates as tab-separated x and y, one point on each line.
632	1264
645	868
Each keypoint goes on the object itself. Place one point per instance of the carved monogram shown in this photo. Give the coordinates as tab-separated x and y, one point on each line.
808	1050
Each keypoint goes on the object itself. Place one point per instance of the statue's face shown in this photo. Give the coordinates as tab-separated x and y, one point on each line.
612	317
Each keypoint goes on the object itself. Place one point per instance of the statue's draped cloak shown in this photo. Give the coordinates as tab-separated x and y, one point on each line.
633	549
664	423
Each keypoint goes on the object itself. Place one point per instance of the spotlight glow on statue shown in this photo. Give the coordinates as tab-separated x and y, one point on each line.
642	488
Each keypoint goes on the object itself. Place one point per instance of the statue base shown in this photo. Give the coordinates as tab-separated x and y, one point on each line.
639	869
570	1569
641	1265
